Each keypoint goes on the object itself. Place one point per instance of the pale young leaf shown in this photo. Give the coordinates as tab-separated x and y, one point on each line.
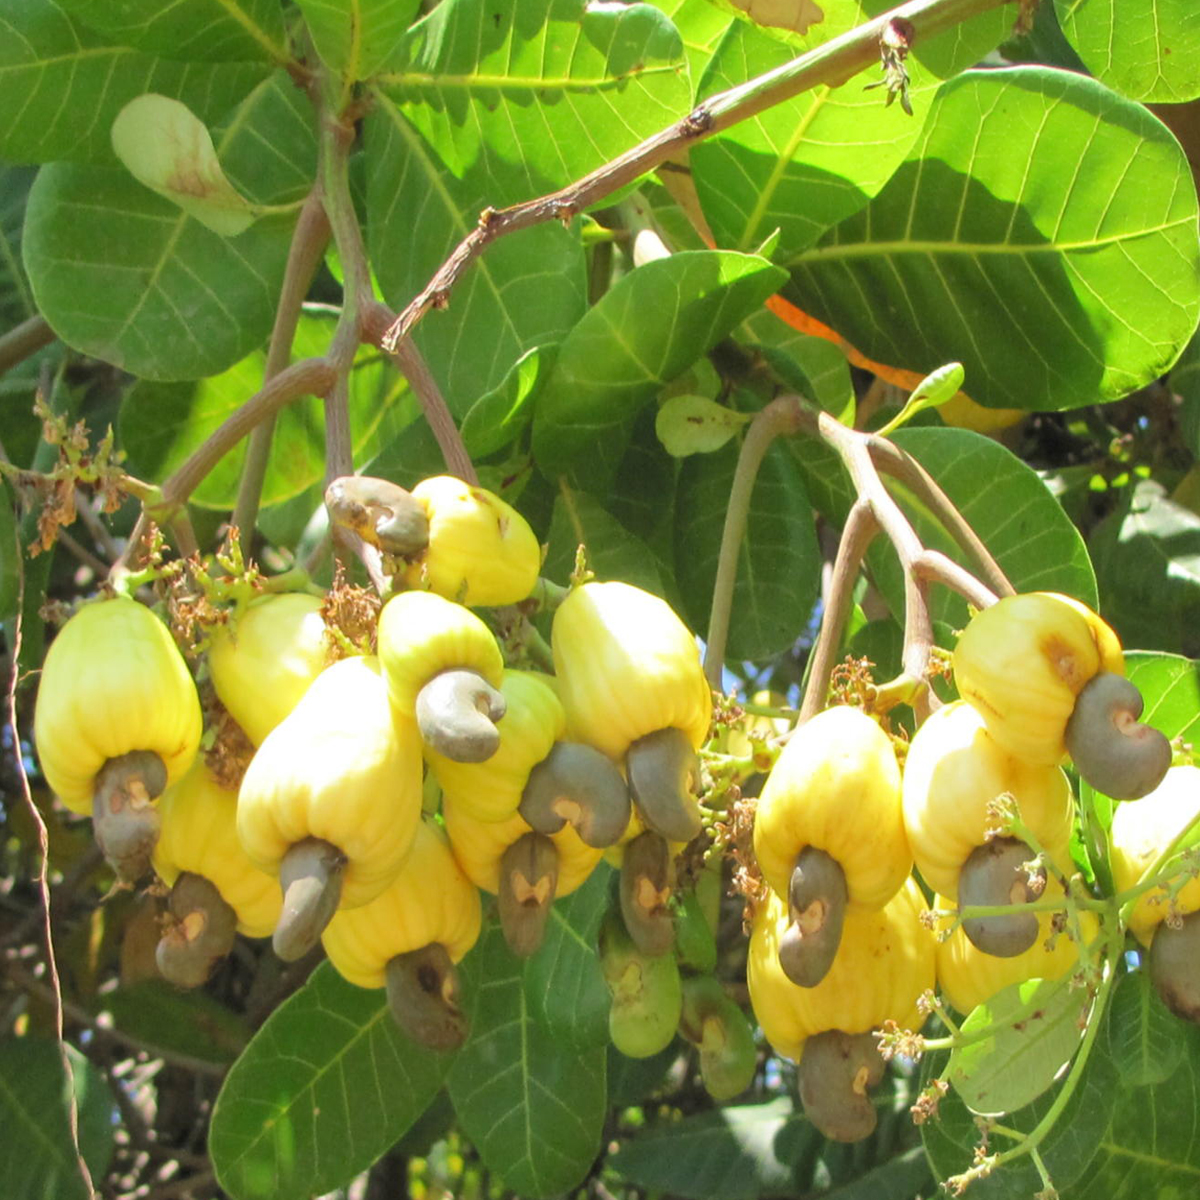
695	425
169	150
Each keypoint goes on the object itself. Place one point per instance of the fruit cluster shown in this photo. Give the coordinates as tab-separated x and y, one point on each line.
843	947
334	834
325	838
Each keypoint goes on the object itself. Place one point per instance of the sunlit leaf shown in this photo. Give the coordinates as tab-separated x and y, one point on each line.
688	425
325	1087
1035	1030
195	31
62	83
1042	232
168	298
533	1108
356	37
1148	50
644	331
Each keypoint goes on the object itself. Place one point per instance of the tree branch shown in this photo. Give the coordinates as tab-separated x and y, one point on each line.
833	63
25	340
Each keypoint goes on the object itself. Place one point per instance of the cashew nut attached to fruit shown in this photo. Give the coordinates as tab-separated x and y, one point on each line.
126	822
663	773
528	883
310	876
423	997
200	931
994	874
817	901
1110	747
380	512
578	785
457	711
647	881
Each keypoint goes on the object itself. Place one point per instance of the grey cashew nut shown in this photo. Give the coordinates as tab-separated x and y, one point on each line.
1175	966
836	1073
647	882
1110	748
457	711
817	898
310	876
577	784
663	774
528	883
380	512
994	874
200	931
423	997
124	817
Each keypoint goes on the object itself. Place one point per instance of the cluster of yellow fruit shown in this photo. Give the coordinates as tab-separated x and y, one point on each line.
326	838
843	944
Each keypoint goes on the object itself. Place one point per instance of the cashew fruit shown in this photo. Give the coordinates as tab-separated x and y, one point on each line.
627	669
343	767
113	682
953	771
481	551
266	658
1023	661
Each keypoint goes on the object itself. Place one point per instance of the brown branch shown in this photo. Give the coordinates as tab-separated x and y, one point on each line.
857	535
902	466
309	240
833	63
24	341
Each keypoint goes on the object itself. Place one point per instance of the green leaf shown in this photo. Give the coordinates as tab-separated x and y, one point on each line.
1053	287
644	331
812	366
534	1109
544	90
169	150
738	1153
688	425
195	31
61	84
325	1087
581	519
1143	1036
778	566
1147	558
802	165
356	37
701	25
176	301
16	302
487	104
33	1113
162	424
1148	50
1035	1030
499	418
1151	1148
161	1017
526	291
951	1140
564	983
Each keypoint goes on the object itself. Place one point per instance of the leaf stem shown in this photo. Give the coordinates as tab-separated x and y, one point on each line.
780	416
308	244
